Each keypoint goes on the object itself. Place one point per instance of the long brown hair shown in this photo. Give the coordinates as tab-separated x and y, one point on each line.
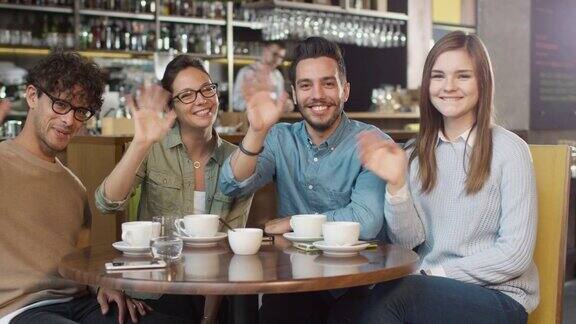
431	120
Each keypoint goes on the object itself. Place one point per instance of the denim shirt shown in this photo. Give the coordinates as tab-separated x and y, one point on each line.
167	179
327	179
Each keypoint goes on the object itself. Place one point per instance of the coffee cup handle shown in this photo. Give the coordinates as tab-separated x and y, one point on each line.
126	236
291	223
178	223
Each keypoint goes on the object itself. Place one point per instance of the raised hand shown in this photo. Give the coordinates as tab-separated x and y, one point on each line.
262	108
152	117
263	111
256	80
383	157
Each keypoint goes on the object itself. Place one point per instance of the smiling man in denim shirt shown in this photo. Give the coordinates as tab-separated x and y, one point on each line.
314	163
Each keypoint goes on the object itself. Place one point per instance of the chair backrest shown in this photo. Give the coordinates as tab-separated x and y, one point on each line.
552	165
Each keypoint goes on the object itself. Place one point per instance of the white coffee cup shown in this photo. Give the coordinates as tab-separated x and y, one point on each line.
307	225
201	225
245	241
245	268
140	233
303	266
341	233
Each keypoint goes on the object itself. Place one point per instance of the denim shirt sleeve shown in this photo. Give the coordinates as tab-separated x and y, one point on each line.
107	206
366	205
264	173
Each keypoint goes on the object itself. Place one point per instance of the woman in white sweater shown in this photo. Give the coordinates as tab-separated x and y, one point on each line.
466	188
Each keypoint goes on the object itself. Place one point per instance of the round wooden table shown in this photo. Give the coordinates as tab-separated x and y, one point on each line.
277	268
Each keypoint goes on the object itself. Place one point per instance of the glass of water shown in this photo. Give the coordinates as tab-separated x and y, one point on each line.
167	248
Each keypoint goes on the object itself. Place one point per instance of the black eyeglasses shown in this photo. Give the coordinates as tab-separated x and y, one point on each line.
189	96
62	107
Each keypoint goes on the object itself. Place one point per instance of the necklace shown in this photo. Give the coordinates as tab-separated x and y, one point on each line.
198	163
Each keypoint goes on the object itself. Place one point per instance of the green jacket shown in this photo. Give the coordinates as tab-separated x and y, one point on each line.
167	179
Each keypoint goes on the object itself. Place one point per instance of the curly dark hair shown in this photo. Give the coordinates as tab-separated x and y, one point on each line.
60	71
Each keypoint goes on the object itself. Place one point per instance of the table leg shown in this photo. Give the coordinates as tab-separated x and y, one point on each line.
211	305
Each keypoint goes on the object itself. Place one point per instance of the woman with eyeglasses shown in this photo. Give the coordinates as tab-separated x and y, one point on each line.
175	155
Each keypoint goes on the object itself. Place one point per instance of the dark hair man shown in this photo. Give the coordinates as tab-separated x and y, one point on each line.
44	207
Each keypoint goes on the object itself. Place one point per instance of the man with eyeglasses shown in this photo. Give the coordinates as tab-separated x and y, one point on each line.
44	212
264	71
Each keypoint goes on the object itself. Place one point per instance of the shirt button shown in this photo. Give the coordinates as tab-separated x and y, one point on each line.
315	159
310	187
164	180
331	149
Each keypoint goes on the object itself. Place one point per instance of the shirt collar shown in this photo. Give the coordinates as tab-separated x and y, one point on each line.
462	137
173	139
336	137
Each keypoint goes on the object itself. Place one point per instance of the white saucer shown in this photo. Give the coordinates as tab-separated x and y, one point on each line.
130	250
200	241
340	251
293	238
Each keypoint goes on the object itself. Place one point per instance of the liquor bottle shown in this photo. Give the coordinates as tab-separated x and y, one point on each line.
108	36
84	39
96	32
151	45
135	40
69	33
37	36
164	41
116	36
125	36
165	8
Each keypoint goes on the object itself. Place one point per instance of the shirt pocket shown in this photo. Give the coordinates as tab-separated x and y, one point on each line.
221	205
164	191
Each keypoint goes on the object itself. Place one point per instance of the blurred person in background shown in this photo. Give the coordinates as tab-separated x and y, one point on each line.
265	73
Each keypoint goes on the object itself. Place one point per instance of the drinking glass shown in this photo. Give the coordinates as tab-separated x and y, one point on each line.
167	248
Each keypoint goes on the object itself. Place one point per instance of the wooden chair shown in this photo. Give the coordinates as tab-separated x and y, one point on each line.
551	164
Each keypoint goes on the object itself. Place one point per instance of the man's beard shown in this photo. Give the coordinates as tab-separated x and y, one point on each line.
322	125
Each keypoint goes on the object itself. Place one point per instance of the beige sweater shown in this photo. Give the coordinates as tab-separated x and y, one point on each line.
43	207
